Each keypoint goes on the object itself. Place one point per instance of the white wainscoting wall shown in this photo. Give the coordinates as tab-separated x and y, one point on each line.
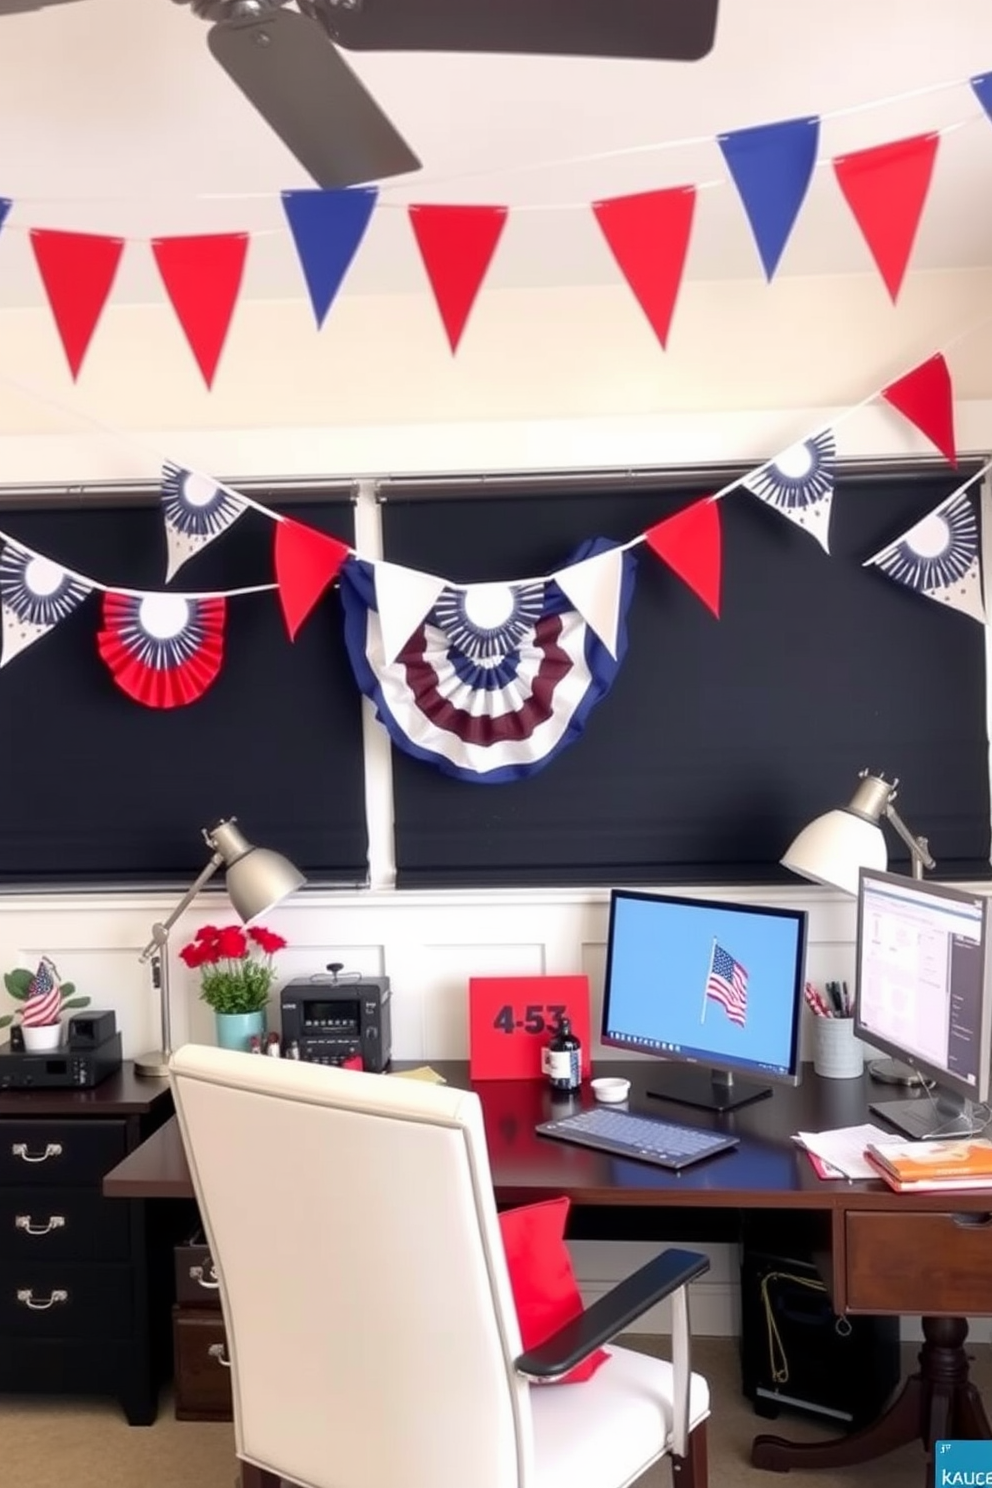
428	944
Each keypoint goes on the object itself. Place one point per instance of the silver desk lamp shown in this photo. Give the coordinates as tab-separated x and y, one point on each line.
257	880
833	849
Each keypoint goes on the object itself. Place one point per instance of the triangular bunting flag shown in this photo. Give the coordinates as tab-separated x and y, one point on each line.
982	88
771	167
5	206
594	587
799	483
456	245
886	188
196	509
940	556
925	397
305	561
689	543
78	272
327	228
403	598
648	235
202	277
35	594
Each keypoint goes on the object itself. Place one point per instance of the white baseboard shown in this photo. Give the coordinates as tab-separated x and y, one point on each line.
716	1297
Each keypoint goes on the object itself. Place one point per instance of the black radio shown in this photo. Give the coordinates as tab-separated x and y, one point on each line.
338	1019
91	1055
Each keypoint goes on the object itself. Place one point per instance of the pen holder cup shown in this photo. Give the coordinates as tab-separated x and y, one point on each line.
837	1054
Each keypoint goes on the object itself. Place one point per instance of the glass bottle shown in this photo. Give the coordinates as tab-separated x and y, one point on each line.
563	1057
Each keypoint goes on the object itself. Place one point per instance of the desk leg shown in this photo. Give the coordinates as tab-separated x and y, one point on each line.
937	1401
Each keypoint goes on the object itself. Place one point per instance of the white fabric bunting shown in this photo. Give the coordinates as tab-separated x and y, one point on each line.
196	509
939	557
35	594
799	483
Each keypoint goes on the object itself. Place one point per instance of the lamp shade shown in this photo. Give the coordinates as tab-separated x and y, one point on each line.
835	847
257	878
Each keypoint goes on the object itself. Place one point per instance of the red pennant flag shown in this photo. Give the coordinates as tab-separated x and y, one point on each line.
456	245
306	561
925	396
886	188
689	543
202	277
78	272
648	235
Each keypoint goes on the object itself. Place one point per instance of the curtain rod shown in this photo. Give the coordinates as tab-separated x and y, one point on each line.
648	478
139	493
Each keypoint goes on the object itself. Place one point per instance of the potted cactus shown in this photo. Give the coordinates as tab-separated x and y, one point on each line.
43	998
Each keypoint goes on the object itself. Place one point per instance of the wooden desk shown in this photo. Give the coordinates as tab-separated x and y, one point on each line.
887	1253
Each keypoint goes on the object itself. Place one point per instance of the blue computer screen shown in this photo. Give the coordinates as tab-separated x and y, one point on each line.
718	982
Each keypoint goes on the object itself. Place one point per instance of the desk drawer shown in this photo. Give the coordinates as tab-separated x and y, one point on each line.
56	1153
196	1278
203	1382
912	1262
52	1224
54	1300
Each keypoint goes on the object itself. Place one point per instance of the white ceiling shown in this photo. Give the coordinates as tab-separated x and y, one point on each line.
116	119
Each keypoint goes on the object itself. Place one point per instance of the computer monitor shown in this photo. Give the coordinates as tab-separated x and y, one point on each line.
714	989
923	994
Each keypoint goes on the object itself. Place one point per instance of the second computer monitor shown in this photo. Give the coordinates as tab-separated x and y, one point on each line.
924	995
714	989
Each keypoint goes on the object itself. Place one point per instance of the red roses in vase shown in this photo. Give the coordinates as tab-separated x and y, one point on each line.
236	965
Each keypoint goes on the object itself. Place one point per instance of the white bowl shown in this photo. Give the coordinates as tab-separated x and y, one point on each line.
610	1090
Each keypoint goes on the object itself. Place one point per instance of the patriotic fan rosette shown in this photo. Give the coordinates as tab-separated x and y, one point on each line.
488	681
163	650
43	1004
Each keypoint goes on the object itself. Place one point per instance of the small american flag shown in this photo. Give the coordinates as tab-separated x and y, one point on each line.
44	1000
727	985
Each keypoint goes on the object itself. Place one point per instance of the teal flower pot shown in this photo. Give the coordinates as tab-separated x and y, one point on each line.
235	1030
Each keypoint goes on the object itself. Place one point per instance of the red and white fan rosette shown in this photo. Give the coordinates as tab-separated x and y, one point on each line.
43	1005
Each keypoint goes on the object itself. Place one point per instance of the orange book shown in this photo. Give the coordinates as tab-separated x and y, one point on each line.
951	1163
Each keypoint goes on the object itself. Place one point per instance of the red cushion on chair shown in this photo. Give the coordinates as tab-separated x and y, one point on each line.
541	1275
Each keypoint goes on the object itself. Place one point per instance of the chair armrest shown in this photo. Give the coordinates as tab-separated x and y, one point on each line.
610	1315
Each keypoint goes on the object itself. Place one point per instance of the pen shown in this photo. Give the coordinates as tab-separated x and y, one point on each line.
848	1005
833	992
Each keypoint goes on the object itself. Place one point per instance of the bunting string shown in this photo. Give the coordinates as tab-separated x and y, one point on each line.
770	165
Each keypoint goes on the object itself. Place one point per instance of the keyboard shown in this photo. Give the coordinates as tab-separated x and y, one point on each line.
666	1144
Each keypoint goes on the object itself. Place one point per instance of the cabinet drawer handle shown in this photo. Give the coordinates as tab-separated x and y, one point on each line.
205	1276
24	1222
52	1149
26	1297
218	1351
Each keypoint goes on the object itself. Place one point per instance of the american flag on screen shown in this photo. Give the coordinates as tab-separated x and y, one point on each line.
727	985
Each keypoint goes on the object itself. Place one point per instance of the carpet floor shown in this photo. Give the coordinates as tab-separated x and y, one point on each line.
48	1444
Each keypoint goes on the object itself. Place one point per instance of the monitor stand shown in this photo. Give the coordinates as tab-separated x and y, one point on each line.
710	1090
924	1118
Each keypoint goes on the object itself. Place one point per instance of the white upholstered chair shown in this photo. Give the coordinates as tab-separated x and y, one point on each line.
371	1329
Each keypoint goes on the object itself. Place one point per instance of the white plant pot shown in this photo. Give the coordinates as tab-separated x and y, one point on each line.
42	1040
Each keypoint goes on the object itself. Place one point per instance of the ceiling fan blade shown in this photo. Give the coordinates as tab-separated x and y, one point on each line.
659	30
307	93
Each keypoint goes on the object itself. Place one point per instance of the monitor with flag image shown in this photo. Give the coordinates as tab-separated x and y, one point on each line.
714	989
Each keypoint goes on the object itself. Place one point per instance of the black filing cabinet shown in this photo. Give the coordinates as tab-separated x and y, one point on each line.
84	1281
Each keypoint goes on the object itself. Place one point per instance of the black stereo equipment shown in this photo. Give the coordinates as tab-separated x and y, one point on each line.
338	1019
60	1069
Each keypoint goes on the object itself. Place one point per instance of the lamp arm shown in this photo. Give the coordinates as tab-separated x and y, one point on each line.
160	932
918	846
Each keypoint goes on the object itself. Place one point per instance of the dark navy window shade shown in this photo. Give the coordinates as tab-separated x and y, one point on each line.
99	790
720	738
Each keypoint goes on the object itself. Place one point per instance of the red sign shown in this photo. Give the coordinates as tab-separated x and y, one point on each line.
511	1019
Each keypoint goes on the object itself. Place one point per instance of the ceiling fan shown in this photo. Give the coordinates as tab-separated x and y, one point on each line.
288	62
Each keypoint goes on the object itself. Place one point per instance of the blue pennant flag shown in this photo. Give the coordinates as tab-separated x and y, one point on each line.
5	206
982	89
771	166
328	227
